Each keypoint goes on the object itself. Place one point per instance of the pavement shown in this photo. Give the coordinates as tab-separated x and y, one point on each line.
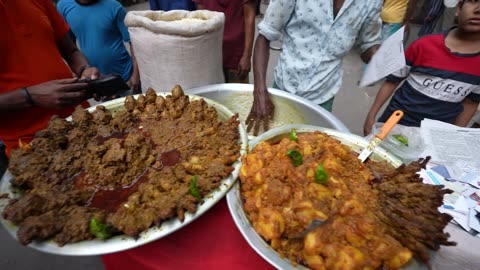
351	106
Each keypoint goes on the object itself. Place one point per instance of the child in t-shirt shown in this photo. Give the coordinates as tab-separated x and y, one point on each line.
442	78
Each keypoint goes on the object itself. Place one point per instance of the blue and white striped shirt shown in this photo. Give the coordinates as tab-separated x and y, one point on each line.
314	42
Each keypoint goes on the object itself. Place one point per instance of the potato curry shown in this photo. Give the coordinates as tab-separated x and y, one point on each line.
287	185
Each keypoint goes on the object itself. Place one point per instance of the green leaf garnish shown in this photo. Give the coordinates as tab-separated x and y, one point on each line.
193	188
321	175
295	157
401	139
293	135
100	230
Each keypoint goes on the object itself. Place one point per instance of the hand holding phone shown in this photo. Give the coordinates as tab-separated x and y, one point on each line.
106	86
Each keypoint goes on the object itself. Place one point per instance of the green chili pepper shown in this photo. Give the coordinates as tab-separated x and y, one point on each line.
193	188
321	175
401	139
293	135
100	230
296	157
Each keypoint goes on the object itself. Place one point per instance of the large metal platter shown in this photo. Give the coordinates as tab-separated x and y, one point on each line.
235	201
122	242
289	108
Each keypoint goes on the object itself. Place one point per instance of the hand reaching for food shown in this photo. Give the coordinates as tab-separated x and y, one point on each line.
261	112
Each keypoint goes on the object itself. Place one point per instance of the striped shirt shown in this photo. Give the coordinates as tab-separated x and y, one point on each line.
437	81
435	11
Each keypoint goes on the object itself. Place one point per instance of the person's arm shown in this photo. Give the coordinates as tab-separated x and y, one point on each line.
262	107
134	81
369	35
14	100
276	18
77	62
249	23
383	95
412	4
56	94
367	55
469	109
76	59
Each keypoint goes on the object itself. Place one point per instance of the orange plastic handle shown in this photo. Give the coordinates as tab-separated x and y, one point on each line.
391	122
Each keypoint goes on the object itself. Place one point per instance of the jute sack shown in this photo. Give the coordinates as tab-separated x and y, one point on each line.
177	47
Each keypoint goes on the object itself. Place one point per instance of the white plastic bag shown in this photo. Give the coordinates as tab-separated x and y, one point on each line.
409	150
177	47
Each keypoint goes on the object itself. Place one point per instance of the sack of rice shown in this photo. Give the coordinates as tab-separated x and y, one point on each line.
177	47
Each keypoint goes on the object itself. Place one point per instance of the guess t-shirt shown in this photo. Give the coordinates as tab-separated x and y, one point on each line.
437	81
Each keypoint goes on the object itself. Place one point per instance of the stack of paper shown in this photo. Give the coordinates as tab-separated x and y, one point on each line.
464	203
447	144
389	58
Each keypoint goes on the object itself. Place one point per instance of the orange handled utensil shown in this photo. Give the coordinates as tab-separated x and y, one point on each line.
387	127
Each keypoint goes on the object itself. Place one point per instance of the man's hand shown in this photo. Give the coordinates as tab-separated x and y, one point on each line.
368	54
58	94
261	112
244	66
134	83
91	73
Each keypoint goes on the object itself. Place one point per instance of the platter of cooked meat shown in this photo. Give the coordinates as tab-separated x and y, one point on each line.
121	174
305	200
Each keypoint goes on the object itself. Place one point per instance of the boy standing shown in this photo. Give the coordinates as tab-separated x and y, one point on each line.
442	78
237	36
98	26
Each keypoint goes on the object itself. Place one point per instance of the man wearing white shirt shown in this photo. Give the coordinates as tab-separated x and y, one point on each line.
316	37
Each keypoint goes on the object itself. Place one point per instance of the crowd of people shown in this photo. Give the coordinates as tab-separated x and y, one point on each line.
42	67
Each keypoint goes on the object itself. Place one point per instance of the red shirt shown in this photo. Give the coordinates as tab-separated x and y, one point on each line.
234	31
211	242
29	32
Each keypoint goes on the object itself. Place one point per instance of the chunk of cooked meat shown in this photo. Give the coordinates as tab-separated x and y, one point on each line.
409	209
130	170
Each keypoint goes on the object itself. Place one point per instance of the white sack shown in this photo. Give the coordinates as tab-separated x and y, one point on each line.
177	47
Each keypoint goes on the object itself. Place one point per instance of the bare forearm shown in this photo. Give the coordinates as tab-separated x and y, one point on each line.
249	23
469	110
410	10
14	100
77	61
383	95
134	60
74	57
368	54
261	54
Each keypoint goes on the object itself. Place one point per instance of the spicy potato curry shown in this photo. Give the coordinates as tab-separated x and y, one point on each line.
288	184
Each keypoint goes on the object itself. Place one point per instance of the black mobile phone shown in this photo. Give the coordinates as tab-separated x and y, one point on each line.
107	85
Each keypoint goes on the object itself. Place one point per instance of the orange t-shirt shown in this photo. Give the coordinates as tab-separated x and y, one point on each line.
29	32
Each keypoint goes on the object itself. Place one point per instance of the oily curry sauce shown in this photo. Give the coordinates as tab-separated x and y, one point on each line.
281	200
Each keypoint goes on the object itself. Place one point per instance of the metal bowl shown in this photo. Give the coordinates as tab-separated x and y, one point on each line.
235	201
122	242
289	108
